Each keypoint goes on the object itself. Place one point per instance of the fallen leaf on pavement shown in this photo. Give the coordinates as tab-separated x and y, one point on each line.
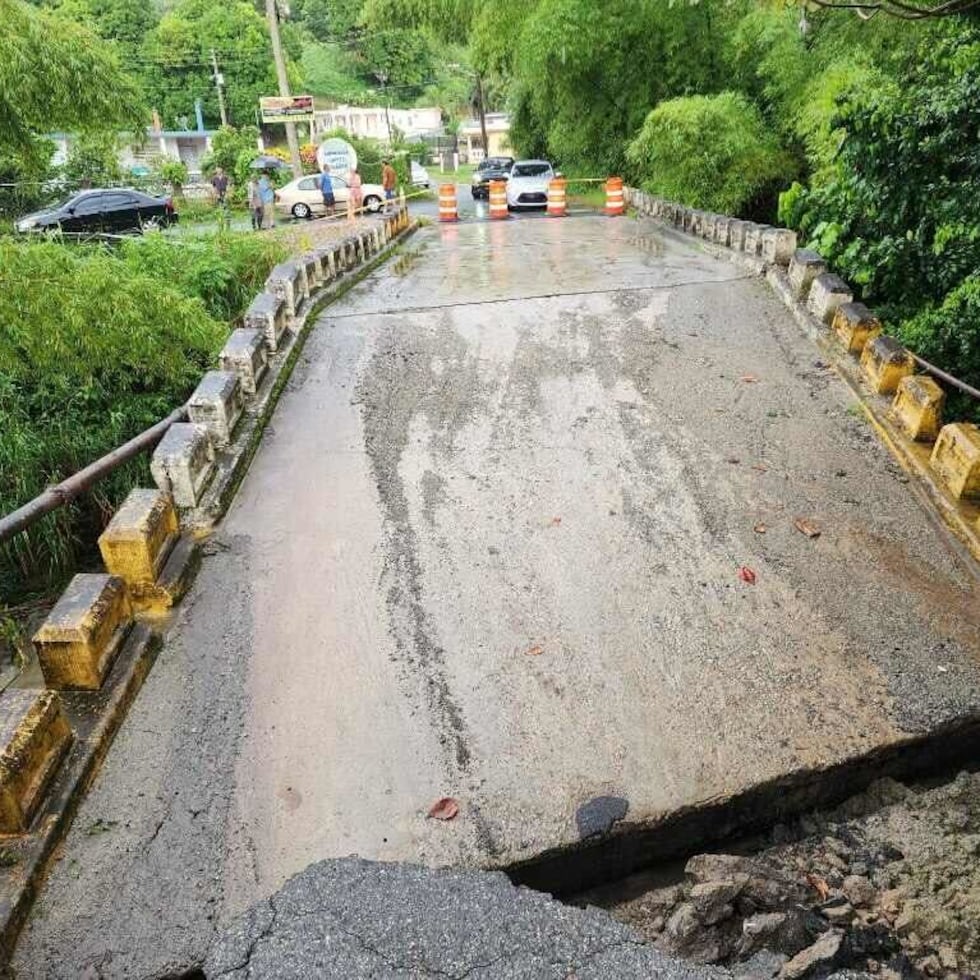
555	521
746	575
819	885
444	809
806	527
749	379
760	467
760	528
734	460
535	651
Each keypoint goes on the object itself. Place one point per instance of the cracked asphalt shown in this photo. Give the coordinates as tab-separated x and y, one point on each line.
490	549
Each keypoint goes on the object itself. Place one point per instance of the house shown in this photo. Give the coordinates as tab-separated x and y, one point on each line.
471	145
186	145
371	122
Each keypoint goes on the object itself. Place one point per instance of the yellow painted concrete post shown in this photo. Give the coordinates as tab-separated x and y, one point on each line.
918	406
34	737
139	537
885	362
855	325
956	458
79	640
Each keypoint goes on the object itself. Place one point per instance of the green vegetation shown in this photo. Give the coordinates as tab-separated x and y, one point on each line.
95	346
713	151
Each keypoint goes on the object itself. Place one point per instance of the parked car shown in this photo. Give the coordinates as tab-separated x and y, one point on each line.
106	211
302	197
528	184
493	168
420	176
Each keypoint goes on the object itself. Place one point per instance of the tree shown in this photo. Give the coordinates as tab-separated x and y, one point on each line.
177	56
711	152
43	58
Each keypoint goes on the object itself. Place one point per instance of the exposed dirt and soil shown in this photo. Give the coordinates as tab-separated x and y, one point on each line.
888	884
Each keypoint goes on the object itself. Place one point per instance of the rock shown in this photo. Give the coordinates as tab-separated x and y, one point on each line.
819	956
761	966
858	890
657	925
712	899
711	867
905	921
948	958
686	936
781	932
930	965
839	914
891	901
684	923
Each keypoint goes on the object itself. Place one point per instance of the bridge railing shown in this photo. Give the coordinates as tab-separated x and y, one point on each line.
98	642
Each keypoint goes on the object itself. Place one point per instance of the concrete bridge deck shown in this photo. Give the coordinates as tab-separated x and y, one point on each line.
490	549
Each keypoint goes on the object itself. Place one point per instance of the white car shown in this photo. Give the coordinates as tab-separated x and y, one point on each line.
528	184
302	197
420	176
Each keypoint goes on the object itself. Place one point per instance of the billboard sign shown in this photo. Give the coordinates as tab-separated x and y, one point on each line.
286	108
338	154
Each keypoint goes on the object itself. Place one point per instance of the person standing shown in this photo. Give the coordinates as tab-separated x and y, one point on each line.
220	184
268	196
355	196
255	204
388	181
326	189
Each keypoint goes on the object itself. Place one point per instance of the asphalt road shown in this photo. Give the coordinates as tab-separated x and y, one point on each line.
490	549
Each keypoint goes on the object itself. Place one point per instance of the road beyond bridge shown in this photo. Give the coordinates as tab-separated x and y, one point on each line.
495	546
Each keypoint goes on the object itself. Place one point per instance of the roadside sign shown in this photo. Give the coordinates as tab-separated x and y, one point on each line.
280	109
338	154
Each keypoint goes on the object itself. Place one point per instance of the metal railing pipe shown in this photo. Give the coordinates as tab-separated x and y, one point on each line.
61	493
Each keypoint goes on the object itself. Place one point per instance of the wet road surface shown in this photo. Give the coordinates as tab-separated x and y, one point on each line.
490	549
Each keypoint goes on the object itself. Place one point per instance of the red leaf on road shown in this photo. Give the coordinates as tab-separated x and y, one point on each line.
555	521
760	467
535	651
746	575
760	528
749	379
444	809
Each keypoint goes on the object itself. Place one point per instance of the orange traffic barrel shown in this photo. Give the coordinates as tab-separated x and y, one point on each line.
614	196
447	203
498	199
557	203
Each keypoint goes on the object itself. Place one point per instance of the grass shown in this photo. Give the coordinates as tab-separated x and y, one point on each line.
97	344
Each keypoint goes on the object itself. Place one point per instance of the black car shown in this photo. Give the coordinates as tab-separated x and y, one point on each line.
493	168
109	211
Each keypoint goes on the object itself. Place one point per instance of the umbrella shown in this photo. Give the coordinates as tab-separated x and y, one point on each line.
267	163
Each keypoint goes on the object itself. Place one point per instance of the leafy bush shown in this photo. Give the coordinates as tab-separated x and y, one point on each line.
711	152
901	215
96	346
948	335
173	172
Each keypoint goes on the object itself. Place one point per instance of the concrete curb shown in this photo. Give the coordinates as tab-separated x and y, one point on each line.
821	304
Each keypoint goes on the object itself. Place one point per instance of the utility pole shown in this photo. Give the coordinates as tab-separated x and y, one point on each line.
382	76
483	115
273	14
219	84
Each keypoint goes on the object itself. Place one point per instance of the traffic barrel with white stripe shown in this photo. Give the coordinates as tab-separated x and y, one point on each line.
557	200
614	196
498	199
447	203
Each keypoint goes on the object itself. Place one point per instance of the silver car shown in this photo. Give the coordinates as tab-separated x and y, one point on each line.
528	184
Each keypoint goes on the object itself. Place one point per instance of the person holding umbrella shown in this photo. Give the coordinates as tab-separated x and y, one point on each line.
267	195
